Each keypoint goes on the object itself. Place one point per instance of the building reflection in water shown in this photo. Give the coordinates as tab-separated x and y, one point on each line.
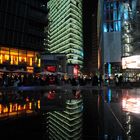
78	114
131	108
66	124
113	115
131	104
17	107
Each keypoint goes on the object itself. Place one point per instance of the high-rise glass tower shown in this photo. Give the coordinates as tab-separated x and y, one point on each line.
111	48
130	28
112	15
65	34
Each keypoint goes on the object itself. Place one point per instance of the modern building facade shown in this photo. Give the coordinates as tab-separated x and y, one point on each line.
65	31
22	33
100	34
131	40
118	36
111	60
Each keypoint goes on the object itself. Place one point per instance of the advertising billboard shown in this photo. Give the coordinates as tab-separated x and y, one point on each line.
131	62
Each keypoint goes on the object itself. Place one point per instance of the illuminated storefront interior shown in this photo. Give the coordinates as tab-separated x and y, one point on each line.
12	56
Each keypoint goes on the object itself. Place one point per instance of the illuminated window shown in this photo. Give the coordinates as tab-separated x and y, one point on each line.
14	56
39	62
31	61
5	54
22	56
30	58
1	59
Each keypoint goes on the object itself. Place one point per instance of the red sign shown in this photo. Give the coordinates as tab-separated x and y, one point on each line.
50	68
75	70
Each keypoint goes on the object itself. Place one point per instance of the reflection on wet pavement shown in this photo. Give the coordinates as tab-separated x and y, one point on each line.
125	107
14	105
103	114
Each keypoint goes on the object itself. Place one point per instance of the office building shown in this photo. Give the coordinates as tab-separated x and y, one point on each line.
130	40
65	29
22	33
100	35
112	37
118	37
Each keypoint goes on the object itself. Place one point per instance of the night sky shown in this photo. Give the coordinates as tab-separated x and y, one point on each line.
89	8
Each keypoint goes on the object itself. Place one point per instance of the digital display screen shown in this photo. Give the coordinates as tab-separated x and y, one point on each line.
131	104
132	62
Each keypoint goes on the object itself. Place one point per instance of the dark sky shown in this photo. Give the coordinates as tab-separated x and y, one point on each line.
89	8
90	5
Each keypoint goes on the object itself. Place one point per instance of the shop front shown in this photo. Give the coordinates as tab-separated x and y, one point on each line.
12	59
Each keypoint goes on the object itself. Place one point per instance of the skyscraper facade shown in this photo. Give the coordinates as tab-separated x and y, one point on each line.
111	47
65	34
112	15
120	48
130	28
100	33
131	40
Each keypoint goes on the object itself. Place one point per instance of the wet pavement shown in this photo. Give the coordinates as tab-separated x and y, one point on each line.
92	113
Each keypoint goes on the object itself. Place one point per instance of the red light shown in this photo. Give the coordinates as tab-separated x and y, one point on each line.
77	94
75	70
51	68
51	95
27	99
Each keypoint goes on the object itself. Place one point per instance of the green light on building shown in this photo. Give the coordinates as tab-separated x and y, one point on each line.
65	34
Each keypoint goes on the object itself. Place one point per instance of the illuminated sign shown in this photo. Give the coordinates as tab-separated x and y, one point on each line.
131	105
30	69
51	68
75	70
131	62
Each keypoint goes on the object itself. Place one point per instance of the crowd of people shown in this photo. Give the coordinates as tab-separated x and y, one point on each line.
7	80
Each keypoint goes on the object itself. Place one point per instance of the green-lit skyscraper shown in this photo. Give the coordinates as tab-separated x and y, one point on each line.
65	31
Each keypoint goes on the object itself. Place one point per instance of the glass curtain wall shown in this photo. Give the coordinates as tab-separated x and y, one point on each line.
112	15
130	28
131	40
